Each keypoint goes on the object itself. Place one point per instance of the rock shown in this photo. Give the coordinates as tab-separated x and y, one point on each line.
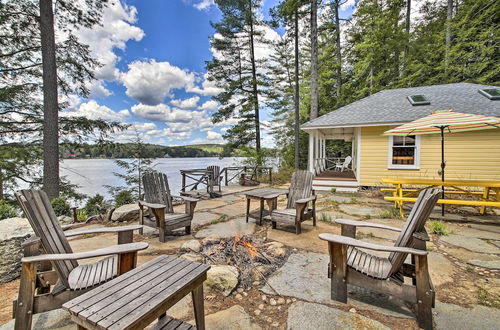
244	294
191	245
56	319
470	243
211	240
257	312
264	297
272	302
255	283
238	296
227	229
233	318
288	301
222	279
280	301
182	309
354	209
323	317
14	232
259	272
261	306
486	264
128	212
352	310
275	324
64	219
449	316
193	257
275	249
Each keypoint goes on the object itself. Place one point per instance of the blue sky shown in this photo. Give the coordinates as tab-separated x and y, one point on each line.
153	76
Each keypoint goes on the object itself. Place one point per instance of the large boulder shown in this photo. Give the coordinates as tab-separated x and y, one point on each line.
191	246
126	213
14	232
222	279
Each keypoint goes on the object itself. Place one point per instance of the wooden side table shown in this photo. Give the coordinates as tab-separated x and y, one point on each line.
267	195
137	298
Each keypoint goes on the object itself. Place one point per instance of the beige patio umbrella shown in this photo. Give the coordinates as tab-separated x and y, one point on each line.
442	121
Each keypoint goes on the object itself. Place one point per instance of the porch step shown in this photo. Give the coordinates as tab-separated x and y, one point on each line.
339	185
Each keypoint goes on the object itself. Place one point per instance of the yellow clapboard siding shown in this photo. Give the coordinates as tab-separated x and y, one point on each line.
469	155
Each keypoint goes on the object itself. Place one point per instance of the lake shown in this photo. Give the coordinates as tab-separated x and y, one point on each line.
92	174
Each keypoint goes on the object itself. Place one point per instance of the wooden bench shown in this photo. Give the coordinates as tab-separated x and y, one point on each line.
140	296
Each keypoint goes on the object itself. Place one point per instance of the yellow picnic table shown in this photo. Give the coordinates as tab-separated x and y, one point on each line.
489	196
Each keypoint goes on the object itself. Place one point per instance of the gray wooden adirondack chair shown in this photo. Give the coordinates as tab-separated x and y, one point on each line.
300	195
216	178
44	289
350	265
159	206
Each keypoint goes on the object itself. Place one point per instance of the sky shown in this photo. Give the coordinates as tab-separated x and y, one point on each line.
153	75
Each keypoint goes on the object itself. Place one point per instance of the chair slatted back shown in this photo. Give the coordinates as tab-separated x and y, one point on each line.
156	189
38	209
347	161
215	170
416	220
300	187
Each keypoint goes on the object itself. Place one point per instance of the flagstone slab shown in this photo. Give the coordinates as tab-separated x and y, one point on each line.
233	318
294	279
449	316
233	209
360	210
470	243
203	218
56	319
227	229
491	264
310	316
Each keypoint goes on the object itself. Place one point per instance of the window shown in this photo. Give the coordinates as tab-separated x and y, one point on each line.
404	152
492	94
418	100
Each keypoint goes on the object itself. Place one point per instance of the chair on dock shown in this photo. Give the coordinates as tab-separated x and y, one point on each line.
215	178
300	195
158	202
42	288
351	265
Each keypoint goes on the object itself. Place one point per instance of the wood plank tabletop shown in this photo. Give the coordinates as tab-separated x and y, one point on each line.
265	193
133	296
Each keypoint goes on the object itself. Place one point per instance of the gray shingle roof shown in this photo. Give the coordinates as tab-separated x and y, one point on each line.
392	106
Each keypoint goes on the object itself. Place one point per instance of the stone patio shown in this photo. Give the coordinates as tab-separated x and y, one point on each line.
464	267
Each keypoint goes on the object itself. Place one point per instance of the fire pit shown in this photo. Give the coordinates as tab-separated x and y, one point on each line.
254	259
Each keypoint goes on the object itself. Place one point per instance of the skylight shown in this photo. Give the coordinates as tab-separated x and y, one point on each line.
418	100
492	93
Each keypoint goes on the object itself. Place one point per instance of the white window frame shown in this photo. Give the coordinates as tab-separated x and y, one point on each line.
415	166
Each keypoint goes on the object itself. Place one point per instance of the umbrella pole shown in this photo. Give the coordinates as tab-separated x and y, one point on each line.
443	165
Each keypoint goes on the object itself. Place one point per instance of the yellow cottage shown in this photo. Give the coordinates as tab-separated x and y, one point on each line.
469	155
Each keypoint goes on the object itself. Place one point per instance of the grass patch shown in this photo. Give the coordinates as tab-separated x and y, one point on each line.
354	200
221	218
367	216
325	218
392	213
333	190
439	228
486	299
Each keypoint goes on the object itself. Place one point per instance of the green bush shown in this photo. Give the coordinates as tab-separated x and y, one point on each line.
333	190
81	215
392	213
123	197
94	205
439	228
325	217
7	210
61	207
283	176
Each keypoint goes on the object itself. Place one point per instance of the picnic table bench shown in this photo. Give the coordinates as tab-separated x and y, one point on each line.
488	197
135	299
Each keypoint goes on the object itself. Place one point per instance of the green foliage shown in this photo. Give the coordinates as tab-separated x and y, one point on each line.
392	213
325	218
7	210
333	190
81	215
123	197
487	299
94	205
439	228
61	206
283	176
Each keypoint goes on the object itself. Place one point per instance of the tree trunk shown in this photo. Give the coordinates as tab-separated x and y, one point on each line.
254	81
314	59
449	16
338	50
50	102
407	29
296	94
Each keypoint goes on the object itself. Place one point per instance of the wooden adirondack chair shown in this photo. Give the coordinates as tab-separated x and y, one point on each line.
216	178
159	204
45	290
300	195
350	265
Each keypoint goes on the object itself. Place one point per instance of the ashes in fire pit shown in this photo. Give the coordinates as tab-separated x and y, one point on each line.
254	259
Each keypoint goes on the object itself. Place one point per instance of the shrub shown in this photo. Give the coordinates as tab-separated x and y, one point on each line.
392	213
283	176
439	228
7	210
81	215
333	190
61	206
123	197
325	217
94	205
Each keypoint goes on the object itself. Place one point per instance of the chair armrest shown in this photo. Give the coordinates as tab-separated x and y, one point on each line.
187	199
370	246
72	233
152	205
116	249
305	200
365	224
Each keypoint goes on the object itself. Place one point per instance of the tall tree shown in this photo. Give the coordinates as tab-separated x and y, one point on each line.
449	17
338	51
314	59
235	69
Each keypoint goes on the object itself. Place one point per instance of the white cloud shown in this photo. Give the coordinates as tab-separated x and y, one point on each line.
93	110
116	29
204	4
162	113
347	4
208	87
151	82
209	105
189	103
213	136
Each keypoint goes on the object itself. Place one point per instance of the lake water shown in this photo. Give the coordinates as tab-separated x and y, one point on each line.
92	174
